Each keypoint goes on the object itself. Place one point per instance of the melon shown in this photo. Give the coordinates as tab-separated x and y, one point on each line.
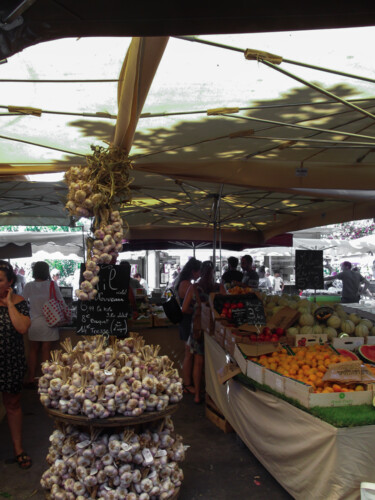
342	314
306	330
361	330
303	310
347	326
348	354
293	330
330	332
367	322
306	319
317	330
355	318
334	321
367	353
372	331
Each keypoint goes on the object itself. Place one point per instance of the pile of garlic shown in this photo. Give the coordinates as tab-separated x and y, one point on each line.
103	249
126	378
114	466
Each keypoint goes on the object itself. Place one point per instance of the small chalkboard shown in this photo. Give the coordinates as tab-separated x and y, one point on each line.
251	312
107	313
309	269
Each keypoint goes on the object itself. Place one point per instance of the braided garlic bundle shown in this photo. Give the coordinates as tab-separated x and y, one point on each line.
95	191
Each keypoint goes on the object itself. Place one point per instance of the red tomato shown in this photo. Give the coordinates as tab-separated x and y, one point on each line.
274	338
240	305
266	331
279	331
253	337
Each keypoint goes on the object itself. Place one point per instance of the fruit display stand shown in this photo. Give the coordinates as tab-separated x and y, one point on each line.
309	457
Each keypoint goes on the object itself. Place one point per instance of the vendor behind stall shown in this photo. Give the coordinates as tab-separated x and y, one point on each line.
351	283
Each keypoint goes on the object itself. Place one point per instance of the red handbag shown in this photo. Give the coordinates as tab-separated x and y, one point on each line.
55	310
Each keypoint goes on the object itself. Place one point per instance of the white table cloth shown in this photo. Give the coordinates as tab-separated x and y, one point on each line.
311	459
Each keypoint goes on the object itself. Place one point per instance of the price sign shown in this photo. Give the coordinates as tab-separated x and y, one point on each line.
107	313
250	312
309	269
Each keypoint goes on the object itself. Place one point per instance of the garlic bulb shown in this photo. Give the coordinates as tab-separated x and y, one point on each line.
127	378
146	471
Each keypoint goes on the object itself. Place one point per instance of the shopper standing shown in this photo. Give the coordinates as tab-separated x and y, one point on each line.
232	274
250	277
41	335
351	283
14	323
189	273
278	283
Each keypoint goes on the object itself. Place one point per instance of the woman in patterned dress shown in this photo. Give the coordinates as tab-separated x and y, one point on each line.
14	322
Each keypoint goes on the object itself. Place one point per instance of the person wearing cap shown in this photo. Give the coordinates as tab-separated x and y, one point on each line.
351	283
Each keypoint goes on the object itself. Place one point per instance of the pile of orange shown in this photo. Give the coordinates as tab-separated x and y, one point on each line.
308	365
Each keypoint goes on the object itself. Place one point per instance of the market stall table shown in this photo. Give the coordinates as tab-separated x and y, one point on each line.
310	458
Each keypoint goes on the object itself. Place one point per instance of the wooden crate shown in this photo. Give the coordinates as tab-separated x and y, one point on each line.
216	417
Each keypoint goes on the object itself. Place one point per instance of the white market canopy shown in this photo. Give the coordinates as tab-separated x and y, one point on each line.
67	244
251	147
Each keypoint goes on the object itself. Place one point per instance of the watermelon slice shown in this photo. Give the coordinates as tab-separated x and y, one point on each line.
348	354
367	353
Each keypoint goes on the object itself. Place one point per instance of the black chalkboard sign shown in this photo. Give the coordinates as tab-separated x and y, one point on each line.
309	269
108	312
251	310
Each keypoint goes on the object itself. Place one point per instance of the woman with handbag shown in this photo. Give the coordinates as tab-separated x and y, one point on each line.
14	323
41	335
190	272
196	294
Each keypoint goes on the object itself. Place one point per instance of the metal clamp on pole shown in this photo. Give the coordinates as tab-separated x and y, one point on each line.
259	55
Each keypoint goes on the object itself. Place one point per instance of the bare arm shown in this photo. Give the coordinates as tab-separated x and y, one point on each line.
20	322
186	308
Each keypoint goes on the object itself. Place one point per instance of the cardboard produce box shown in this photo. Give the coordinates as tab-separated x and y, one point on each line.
304	394
349	343
232	337
274	380
306	340
255	371
251	369
370	340
284	318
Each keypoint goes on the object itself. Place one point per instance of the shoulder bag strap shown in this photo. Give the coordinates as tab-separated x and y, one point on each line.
52	291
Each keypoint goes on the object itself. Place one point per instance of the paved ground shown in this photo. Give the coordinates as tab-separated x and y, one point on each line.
218	466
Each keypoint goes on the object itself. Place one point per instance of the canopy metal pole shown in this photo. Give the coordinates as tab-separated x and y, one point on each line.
20	9
289	61
216	210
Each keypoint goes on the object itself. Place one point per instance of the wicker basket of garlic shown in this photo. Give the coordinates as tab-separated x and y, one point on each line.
126	378
113	466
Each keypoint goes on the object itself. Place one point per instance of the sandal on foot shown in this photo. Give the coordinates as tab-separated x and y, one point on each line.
189	389
24	461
